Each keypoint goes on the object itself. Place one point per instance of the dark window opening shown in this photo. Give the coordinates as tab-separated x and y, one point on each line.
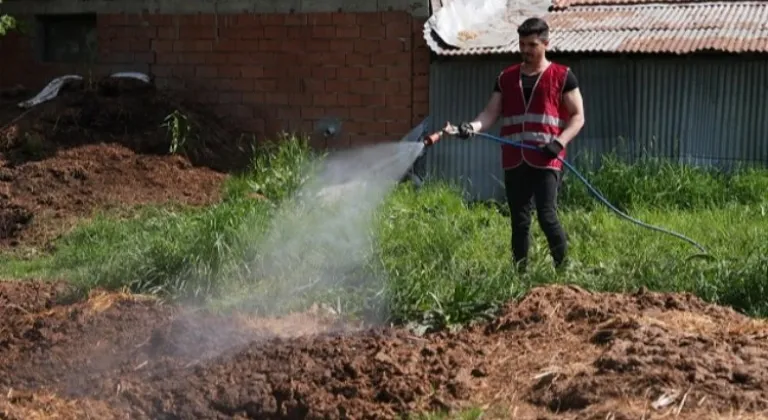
67	38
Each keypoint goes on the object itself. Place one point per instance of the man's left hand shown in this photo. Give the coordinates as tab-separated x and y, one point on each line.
553	148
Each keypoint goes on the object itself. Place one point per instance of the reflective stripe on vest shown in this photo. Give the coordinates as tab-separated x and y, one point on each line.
534	118
531	136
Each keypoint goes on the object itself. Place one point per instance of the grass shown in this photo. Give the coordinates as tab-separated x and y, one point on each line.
436	260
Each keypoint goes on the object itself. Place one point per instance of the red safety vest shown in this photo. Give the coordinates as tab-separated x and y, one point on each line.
541	122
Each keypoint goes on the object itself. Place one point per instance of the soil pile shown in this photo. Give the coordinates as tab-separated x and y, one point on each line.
559	353
92	147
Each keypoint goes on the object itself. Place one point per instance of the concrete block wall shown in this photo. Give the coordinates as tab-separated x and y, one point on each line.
266	71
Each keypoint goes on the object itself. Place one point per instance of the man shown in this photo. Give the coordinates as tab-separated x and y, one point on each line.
540	104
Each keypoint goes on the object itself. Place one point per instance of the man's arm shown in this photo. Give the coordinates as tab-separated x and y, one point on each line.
575	105
488	116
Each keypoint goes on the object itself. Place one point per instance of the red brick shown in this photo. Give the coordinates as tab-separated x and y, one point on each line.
230	98
137	45
421	82
338	111
197	32
358	60
193	58
244	46
277	99
366	46
252	71
216	59
344	31
373	73
398	30
369	19
393	46
228	71
373	99
392	59
323	73
344	18
372	128
318	45
183	46
225	44
206	72
337	86
162	46
373	32
325	99
298	32
161	70
398	100
166	58
139	32
398	128
393	114
323	32
184	72
361	86
245	85
167	32
289	84
254	97
276	32
313	112
264	85
361	113
342	45
144	58
350	99
348	73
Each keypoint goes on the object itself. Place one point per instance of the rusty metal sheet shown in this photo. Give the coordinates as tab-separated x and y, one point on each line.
646	28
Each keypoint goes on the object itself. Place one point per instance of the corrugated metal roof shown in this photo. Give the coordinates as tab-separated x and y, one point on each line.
562	4
648	28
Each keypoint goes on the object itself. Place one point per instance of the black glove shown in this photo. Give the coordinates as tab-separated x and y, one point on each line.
465	130
553	148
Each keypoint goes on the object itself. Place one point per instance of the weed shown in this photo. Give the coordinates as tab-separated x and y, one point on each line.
443	261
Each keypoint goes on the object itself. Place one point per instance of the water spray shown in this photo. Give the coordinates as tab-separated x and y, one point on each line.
432	139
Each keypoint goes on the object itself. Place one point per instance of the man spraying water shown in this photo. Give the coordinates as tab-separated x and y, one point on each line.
540	104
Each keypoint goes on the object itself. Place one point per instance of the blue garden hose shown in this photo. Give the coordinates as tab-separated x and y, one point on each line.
593	190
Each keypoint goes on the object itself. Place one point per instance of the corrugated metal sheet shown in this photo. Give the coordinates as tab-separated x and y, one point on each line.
653	28
693	110
457	92
562	4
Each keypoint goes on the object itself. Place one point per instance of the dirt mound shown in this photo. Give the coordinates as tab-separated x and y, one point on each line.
94	147
559	353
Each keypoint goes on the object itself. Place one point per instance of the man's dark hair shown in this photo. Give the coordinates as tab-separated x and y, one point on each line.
534	26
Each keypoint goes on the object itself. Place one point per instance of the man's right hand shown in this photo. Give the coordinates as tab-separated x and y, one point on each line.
465	130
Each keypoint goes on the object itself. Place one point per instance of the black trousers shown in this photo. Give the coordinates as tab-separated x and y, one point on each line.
527	187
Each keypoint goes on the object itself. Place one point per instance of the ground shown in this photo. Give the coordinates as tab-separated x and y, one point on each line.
92	148
561	352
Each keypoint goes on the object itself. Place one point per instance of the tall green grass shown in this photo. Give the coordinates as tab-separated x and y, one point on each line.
439	260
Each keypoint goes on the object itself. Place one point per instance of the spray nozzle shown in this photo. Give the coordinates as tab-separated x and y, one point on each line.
433	138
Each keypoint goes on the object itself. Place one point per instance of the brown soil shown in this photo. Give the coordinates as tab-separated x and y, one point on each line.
91	148
559	353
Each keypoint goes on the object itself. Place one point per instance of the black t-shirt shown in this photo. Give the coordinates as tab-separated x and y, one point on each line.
571	83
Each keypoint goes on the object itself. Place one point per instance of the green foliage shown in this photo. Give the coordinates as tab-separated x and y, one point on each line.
7	23
437	260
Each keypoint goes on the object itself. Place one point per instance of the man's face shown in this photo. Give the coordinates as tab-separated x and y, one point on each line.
532	48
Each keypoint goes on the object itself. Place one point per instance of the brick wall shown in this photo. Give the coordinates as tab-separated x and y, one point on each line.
267	71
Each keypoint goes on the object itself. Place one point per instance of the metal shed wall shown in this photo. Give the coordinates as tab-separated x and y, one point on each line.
699	110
